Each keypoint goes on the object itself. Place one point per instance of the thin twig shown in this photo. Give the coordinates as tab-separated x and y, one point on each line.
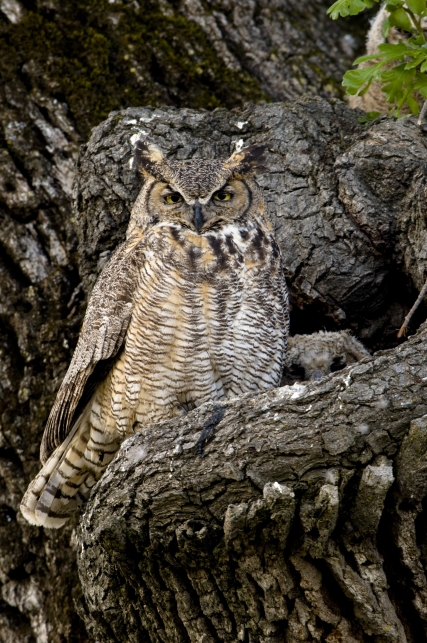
404	328
422	113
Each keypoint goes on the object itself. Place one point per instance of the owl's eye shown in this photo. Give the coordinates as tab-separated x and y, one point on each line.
222	196
175	197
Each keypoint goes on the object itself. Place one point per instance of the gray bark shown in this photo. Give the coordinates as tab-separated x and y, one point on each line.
126	55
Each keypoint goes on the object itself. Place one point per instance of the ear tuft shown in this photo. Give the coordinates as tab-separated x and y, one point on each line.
147	156
249	159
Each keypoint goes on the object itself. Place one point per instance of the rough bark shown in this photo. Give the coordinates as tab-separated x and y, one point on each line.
296	515
63	67
97	55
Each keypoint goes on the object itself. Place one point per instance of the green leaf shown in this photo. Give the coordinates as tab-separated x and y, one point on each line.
363	59
416	61
363	91
399	18
420	85
349	7
412	104
395	55
393	81
385	28
417	41
408	99
416	6
401	68
369	117
421	82
355	79
396	50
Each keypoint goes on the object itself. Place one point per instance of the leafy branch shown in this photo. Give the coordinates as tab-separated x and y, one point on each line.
401	67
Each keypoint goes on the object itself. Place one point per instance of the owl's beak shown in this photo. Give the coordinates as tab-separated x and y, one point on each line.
198	215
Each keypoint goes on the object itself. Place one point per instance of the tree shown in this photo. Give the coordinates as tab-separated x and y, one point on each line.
179	547
63	68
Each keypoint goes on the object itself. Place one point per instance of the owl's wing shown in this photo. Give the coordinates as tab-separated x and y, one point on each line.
101	337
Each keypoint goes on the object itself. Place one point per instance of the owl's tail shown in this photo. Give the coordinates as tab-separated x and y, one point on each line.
66	480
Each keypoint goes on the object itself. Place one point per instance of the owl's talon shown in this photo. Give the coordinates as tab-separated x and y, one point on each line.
135	424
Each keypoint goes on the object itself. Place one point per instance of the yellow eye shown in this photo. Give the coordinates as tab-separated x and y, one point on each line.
222	196
173	198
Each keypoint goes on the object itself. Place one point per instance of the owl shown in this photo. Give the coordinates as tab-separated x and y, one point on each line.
310	357
374	100
192	307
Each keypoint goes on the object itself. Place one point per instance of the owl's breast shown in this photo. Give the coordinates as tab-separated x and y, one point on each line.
209	317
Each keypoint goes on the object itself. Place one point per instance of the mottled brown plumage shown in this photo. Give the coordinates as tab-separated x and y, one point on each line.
191	308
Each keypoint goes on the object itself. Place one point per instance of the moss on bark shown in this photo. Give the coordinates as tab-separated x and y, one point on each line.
99	57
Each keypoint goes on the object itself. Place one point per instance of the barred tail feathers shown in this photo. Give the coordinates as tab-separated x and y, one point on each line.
66	480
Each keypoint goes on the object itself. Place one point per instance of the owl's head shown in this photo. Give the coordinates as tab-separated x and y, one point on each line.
198	194
311	357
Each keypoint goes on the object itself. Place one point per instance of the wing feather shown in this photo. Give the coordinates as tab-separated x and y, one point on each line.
101	338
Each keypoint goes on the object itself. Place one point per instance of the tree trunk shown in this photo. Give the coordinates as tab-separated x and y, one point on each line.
347	201
63	68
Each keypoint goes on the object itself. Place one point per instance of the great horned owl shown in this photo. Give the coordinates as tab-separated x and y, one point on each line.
191	307
311	357
374	100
